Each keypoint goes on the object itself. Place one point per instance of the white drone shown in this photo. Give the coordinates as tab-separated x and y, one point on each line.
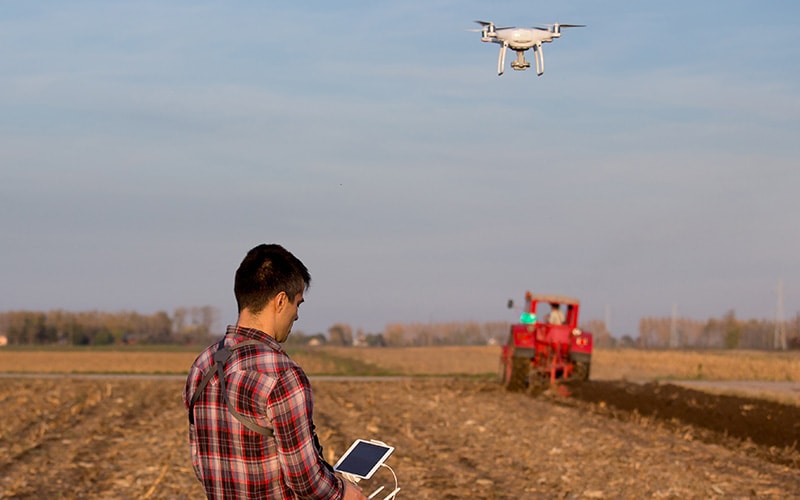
520	40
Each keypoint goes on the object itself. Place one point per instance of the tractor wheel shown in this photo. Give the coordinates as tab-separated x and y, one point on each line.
516	377
581	371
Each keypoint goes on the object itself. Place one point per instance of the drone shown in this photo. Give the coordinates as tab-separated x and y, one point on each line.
520	40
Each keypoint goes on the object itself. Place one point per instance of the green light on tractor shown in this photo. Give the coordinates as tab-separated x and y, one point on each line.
527	318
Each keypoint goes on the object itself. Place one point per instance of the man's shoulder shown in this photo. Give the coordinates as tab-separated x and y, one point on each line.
204	359
257	357
263	358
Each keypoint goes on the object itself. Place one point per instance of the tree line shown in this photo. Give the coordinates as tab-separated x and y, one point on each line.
186	325
413	334
727	332
199	325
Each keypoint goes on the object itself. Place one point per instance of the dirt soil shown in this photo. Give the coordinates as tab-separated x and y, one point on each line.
454	438
774	428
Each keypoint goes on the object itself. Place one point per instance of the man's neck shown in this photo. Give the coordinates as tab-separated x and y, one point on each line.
262	322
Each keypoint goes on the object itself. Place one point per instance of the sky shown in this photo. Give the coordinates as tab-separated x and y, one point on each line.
146	146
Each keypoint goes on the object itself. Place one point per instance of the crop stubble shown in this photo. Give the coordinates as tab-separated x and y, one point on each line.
455	437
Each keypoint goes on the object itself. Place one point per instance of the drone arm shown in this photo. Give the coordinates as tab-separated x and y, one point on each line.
501	59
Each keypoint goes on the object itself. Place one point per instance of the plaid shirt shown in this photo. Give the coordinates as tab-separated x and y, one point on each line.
267	387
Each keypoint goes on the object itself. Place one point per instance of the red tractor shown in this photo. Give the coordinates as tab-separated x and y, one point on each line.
546	348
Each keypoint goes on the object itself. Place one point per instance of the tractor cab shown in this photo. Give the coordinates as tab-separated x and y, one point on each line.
540	309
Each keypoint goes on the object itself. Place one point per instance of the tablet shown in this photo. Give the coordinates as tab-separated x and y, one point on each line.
363	458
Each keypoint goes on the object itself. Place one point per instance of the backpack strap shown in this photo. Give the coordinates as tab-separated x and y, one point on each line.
221	356
198	393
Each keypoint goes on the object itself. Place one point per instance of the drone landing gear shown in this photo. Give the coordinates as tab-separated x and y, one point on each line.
539	55
520	64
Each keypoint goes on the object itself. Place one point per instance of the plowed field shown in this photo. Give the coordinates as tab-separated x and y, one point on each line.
454	438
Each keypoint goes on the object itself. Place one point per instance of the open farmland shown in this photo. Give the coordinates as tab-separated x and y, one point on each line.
456	436
607	364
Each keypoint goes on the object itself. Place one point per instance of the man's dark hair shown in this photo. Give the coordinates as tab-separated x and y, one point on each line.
266	271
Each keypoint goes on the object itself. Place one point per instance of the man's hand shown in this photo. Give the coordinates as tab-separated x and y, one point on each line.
352	492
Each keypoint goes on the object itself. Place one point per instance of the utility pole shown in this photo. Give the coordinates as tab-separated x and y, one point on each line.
779	337
673	328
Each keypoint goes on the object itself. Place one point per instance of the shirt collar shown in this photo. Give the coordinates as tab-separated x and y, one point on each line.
252	333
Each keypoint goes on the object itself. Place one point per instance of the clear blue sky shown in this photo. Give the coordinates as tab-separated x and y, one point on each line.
146	146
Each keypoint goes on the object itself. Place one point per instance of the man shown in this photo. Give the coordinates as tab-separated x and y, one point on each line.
556	317
251	432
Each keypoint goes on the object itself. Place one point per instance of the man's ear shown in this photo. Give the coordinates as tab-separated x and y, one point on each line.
281	301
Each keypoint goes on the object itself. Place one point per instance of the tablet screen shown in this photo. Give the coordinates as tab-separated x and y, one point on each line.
363	458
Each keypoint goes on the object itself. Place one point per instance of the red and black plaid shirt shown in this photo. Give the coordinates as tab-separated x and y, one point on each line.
267	387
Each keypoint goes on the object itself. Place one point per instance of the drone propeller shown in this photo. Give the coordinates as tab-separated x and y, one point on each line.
550	27
487	23
555	28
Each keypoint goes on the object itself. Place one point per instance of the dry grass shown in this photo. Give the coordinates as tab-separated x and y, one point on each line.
614	364
95	361
469	360
696	365
133	361
446	360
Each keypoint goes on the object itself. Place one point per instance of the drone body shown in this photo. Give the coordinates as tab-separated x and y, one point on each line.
520	40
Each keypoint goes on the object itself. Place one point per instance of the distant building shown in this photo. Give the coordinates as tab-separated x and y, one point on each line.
360	340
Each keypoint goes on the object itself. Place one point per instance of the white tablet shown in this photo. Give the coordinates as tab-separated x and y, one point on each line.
363	458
